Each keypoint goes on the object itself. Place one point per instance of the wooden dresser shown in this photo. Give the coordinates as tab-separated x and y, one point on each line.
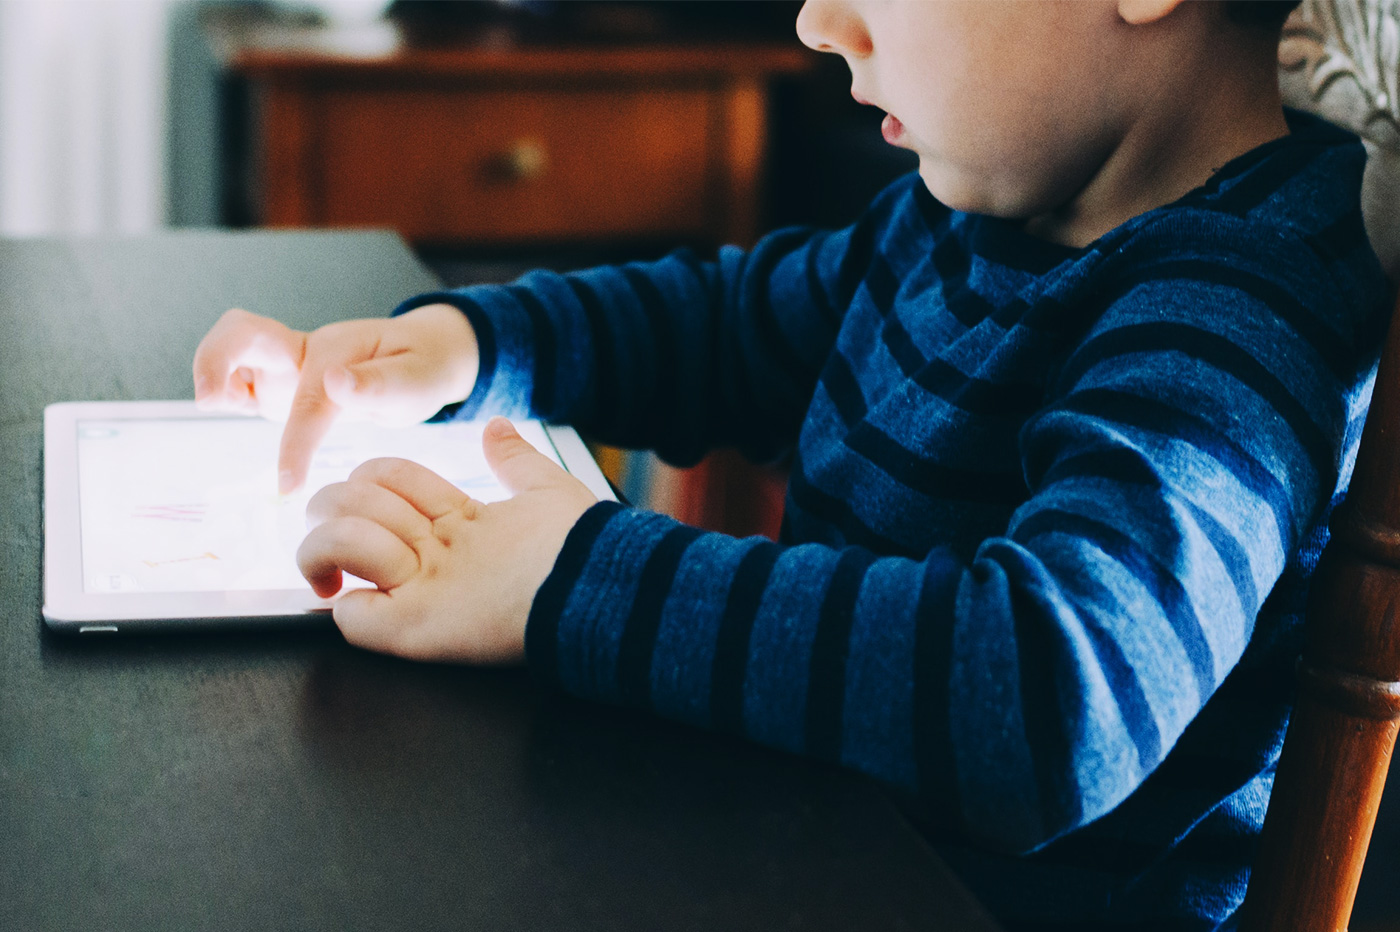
485	139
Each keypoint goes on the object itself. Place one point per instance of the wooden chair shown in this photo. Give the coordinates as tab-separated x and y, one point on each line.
1339	58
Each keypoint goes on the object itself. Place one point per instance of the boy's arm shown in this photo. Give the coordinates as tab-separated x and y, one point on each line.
679	355
1194	435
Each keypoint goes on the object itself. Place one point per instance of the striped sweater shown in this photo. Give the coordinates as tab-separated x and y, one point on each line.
1050	524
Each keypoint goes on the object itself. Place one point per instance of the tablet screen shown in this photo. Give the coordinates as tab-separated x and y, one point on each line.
184	505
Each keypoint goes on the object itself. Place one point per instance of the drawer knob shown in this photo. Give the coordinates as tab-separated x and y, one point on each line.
524	160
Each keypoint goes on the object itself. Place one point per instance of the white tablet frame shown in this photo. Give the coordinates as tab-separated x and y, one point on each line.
69	608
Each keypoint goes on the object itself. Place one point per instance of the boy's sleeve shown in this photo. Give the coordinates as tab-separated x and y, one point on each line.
1193	436
679	355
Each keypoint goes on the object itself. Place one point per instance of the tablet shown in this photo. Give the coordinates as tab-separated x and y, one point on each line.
158	515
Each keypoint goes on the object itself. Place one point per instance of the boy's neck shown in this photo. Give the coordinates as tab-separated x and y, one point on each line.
1175	143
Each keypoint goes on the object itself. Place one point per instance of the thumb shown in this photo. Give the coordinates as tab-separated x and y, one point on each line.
518	465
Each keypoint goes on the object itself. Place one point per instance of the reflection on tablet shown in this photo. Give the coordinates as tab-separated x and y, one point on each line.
192	505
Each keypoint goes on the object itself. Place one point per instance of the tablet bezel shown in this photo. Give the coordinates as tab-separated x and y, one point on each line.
69	608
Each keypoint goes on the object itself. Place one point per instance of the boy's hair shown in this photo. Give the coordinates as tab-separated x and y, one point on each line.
1262	14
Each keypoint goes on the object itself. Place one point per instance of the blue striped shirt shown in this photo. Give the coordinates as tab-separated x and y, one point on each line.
1050	524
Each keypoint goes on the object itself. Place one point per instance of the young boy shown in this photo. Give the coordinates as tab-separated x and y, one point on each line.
1067	412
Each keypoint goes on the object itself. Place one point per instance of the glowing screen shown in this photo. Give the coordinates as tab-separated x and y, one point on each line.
187	505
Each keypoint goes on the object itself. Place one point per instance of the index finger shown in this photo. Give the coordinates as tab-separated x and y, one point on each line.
312	411
310	418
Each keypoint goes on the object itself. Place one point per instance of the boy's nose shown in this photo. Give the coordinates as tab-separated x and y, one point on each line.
833	26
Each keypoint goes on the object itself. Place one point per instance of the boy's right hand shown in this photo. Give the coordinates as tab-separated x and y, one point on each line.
397	371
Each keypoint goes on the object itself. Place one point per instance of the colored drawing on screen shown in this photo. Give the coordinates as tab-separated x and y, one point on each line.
174	560
189	512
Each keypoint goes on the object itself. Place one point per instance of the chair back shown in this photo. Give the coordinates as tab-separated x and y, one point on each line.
1341	59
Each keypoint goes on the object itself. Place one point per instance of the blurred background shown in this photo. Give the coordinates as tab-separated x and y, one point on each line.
122	116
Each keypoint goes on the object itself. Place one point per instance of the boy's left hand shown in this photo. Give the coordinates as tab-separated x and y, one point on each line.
456	577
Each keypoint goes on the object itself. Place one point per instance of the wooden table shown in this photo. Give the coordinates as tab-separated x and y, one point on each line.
281	780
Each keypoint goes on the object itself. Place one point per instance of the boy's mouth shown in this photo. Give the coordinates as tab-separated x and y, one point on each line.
892	129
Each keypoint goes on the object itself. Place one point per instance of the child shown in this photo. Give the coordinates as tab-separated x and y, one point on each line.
1067	411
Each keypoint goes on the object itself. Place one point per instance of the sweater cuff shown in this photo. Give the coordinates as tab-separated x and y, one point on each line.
644	611
542	627
594	622
505	368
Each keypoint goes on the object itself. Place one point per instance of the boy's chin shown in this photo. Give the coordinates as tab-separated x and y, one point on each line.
953	190
960	191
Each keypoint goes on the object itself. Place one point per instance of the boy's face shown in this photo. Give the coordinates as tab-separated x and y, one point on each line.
1011	106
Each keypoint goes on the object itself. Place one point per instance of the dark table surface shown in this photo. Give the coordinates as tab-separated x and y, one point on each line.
283	780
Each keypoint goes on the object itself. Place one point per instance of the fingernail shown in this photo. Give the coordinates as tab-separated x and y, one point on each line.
284	482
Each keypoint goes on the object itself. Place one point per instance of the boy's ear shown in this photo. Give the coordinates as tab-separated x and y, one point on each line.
1141	12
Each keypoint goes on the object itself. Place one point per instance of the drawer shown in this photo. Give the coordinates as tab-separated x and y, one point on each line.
458	164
